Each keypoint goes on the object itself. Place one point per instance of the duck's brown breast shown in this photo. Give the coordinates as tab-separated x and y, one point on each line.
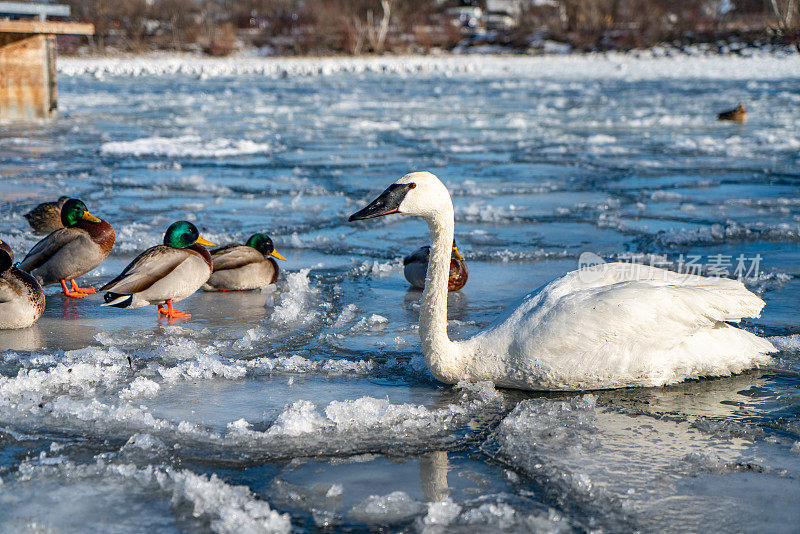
458	274
203	251
276	270
101	233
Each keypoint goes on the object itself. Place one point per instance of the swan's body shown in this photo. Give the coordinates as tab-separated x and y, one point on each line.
609	326
21	296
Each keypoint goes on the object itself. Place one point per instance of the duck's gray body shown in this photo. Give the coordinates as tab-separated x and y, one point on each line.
159	274
416	267
21	299
69	253
239	268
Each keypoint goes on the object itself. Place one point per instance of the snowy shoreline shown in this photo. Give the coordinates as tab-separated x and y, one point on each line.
614	65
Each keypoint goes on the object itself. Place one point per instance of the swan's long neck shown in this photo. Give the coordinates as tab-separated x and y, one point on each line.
441	354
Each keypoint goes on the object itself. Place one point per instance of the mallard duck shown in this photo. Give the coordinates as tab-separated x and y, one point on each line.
163	274
21	296
67	253
46	217
241	267
415	267
737	114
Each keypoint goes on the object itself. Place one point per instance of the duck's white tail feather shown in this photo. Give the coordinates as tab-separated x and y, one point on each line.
116	300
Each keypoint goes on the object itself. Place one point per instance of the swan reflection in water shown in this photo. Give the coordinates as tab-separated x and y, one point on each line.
433	468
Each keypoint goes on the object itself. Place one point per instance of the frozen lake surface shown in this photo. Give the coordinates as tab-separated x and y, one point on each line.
308	405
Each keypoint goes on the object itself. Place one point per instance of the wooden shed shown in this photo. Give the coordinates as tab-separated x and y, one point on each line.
28	87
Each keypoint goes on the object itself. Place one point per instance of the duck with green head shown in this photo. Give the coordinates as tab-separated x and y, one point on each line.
21	296
67	253
242	267
163	274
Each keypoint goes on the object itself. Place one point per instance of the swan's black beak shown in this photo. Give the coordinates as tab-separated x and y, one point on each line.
387	203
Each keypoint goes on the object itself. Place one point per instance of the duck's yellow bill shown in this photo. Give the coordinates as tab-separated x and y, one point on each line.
204	242
89	217
277	254
457	254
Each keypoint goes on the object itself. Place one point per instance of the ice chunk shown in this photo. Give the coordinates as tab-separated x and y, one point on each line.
204	367
299	364
441	513
299	418
140	387
396	507
145	442
233	508
558	65
116	497
787	343
294	300
346	316
184	146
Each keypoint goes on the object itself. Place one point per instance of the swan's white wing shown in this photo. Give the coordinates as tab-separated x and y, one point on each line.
614	273
627	326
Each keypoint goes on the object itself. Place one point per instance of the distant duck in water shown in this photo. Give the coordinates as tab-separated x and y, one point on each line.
415	268
46	217
80	246
163	274
242	267
21	296
738	114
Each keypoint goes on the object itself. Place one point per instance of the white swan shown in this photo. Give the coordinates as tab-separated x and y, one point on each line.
609	326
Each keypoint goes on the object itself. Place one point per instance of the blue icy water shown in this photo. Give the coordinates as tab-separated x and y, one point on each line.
308	405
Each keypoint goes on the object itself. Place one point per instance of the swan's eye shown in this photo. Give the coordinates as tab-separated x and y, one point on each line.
412	185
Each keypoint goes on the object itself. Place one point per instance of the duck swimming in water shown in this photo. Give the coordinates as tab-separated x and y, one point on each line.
21	296
163	274
608	326
415	266
67	253
243	267
46	217
737	114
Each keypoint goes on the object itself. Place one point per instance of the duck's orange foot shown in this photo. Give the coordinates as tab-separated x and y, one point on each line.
67	293
174	313
84	290
170	312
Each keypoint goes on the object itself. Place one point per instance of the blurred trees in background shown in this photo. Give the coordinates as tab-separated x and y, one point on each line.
219	27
